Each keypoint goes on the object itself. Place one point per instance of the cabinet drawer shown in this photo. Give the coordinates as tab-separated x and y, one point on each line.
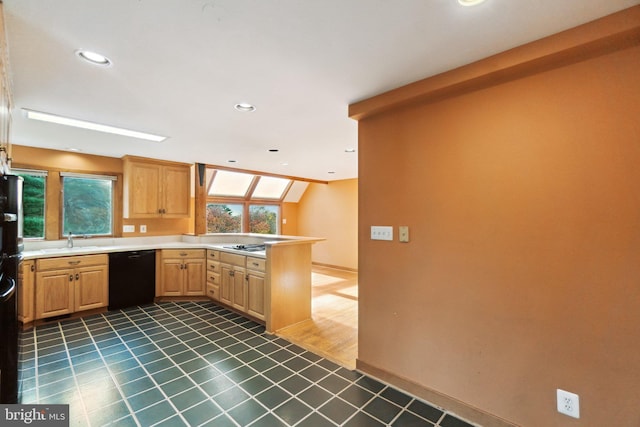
213	278
183	253
213	292
232	259
213	266
71	262
211	254
256	264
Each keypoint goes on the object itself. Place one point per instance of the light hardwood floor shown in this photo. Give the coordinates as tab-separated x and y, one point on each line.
332	331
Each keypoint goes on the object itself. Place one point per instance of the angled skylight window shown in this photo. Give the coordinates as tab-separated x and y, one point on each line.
271	188
230	184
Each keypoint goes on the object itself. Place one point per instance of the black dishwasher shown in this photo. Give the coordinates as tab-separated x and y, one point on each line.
132	278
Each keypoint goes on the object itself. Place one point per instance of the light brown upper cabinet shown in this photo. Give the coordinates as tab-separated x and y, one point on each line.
156	189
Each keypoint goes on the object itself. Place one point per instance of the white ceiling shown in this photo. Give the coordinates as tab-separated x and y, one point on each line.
179	66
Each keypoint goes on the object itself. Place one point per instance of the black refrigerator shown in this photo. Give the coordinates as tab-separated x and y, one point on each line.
10	259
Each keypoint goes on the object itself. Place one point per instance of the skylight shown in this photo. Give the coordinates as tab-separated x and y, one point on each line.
270	188
248	186
230	184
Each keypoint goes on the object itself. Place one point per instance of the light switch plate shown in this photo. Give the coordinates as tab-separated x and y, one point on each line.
403	233
128	228
143	228
381	232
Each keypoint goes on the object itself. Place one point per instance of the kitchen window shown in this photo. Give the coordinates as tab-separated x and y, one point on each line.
33	202
241	202
87	204
224	218
263	219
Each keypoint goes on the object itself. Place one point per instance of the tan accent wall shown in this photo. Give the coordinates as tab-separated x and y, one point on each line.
331	211
522	273
290	215
56	161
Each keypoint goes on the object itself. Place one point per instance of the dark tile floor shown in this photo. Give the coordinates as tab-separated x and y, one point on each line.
195	363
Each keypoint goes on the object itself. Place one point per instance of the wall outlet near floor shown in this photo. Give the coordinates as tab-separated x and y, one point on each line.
128	228
381	232
568	403
143	228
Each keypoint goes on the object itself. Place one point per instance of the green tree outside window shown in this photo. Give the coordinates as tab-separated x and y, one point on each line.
33	199
263	219
87	206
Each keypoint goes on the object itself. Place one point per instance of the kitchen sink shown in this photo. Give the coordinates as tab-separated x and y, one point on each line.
67	250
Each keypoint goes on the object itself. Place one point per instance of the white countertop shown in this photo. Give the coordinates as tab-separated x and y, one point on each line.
57	248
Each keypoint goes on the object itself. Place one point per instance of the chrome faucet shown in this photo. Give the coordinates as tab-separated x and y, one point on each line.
70	241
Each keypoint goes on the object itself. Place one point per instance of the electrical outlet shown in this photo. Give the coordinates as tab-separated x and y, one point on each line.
381	232
129	229
568	403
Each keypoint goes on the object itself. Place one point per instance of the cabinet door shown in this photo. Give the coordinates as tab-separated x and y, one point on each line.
91	287
54	293
144	184
239	292
176	192
195	270
226	282
256	294
172	277
26	281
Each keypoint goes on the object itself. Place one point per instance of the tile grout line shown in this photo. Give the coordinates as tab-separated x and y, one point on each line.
312	383
73	372
278	363
245	364
111	375
316	383
147	372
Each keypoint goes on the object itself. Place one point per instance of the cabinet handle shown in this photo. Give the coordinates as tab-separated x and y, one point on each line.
33	267
159	211
183	254
255	264
232	273
71	277
74	262
77	276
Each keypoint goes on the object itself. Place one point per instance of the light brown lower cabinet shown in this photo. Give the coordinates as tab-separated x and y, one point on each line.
240	282
69	284
26	289
213	274
183	272
256	302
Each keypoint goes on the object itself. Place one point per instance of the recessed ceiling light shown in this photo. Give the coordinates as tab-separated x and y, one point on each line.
470	2
244	107
94	58
75	150
350	150
52	118
284	164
